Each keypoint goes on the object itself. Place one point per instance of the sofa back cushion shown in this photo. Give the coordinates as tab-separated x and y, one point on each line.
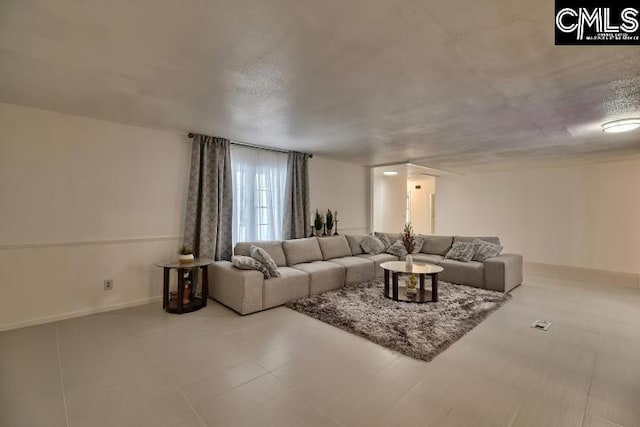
298	251
334	247
273	248
436	245
490	239
354	244
393	237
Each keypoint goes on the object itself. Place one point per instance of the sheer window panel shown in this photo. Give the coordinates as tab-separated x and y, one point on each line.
258	193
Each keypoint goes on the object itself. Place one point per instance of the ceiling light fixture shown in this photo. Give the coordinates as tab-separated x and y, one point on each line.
619	126
390	173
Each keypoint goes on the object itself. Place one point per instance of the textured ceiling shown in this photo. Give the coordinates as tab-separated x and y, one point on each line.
453	84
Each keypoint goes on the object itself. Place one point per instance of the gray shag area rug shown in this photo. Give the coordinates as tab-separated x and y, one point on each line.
420	331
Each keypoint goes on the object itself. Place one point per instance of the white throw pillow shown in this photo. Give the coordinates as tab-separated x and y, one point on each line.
265	259
372	245
248	263
461	251
418	242
384	239
397	249
485	250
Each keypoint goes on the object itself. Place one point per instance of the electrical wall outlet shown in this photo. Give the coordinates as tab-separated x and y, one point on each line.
108	285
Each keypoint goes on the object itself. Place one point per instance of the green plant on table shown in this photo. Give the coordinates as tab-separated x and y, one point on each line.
408	238
329	219
317	223
185	250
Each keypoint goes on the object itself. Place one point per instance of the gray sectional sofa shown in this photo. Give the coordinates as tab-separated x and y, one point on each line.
314	265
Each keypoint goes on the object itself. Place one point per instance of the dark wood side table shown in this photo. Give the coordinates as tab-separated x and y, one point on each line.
196	303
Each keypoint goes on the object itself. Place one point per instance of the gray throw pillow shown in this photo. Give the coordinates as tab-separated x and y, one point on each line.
485	250
461	251
247	263
263	257
397	249
372	245
384	239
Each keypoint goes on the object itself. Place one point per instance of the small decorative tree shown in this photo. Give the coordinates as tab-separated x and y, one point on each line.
185	250
408	238
185	254
318	222
329	220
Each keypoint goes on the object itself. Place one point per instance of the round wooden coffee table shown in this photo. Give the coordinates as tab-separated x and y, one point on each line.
396	268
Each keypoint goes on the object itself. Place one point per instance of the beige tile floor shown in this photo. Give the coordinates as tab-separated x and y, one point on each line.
143	367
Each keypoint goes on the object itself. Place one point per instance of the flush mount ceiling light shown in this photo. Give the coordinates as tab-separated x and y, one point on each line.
619	126
390	173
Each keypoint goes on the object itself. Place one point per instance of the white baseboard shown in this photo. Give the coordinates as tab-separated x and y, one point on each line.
78	313
582	274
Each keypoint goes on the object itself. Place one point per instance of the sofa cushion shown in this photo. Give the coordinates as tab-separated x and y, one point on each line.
397	249
334	247
427	258
291	285
393	236
465	273
302	250
357	269
384	239
485	250
461	251
247	263
263	257
274	248
372	245
490	239
323	275
354	244
379	259
436	245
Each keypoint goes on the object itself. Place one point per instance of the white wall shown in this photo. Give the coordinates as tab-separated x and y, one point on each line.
83	200
584	216
342	187
420	204
389	199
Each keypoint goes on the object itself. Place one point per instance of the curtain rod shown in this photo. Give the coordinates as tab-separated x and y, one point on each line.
257	147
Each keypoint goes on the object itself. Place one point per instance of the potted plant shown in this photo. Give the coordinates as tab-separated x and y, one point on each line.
408	238
329	221
318	223
185	255
411	283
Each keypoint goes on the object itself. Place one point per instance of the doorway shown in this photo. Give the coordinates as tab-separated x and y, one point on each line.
400	194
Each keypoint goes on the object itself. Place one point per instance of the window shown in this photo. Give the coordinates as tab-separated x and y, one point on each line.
259	178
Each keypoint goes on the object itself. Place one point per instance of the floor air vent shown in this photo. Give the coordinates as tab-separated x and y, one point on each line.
542	325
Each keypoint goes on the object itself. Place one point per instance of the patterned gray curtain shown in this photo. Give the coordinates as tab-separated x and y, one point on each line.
210	200
296	198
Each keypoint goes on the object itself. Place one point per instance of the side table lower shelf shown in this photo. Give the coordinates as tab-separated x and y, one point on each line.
194	305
